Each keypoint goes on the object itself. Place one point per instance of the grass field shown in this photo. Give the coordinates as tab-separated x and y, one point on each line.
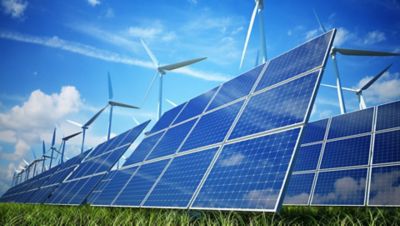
22	214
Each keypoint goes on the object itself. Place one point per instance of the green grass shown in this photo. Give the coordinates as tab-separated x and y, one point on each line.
23	214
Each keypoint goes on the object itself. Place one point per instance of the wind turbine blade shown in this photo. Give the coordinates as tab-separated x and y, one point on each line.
171	102
110	89
33	153
135	120
321	26
149	88
376	77
94	117
43	148
356	52
26	162
248	34
334	87
71	136
119	104
75	123
151	55
53	140
174	66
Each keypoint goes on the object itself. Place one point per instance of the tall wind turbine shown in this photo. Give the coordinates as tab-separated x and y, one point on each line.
112	103
359	91
258	10
53	148
63	143
348	52
86	125
162	70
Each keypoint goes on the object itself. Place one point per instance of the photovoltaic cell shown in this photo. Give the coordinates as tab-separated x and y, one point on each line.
212	127
180	180
167	118
345	187
307	158
249	174
139	185
196	106
281	106
388	116
172	139
143	149
296	61
385	186
387	147
101	185
299	189
349	152
351	124
236	88
111	190
87	187
314	131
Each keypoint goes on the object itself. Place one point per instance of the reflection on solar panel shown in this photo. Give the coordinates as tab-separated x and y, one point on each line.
230	148
359	144
77	187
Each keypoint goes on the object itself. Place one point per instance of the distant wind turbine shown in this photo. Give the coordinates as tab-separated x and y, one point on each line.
359	91
162	70
64	143
348	52
258	10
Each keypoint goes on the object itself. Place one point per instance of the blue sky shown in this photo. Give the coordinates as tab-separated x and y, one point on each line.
55	57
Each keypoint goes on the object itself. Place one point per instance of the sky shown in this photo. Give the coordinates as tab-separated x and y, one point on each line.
55	56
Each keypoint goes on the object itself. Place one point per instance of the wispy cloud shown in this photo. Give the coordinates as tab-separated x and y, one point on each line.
90	51
374	37
14	8
93	2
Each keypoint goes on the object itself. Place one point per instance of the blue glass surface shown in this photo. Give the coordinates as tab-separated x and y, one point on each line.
133	134
172	139
196	106
299	189
81	195
281	106
236	88
307	157
101	148
346	187
349	152
301	59
388	116
249	174
177	185
314	131
100	187
143	149
112	159
73	189
385	186
61	191
167	118
212	127
352	123
387	147
139	185
112	189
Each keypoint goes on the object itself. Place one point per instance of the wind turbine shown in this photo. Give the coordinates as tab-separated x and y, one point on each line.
348	52
86	125
53	148
162	70
112	103
359	91
44	156
258	10
63	143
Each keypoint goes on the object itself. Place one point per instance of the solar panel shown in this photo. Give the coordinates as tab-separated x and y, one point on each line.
387	146
314	131
388	116
385	186
144	148
299	189
307	158
180	180
167	118
345	187
101	186
352	123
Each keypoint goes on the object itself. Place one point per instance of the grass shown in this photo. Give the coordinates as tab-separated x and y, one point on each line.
23	214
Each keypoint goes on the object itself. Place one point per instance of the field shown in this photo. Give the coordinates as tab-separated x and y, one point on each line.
23	214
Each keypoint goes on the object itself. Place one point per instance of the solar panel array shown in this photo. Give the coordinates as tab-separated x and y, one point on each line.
230	148
83	170
352	159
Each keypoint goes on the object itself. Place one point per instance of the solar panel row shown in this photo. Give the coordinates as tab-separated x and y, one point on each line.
229	148
351	159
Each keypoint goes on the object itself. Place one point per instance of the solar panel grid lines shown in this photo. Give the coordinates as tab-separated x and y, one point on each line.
299	189
388	116
167	119
384	186
352	123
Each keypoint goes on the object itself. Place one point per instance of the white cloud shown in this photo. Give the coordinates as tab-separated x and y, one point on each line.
374	37
15	8
262	198
93	2
311	34
384	188
344	189
342	36
8	136
233	160
301	198
194	2
110	13
93	52
146	33
385	89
